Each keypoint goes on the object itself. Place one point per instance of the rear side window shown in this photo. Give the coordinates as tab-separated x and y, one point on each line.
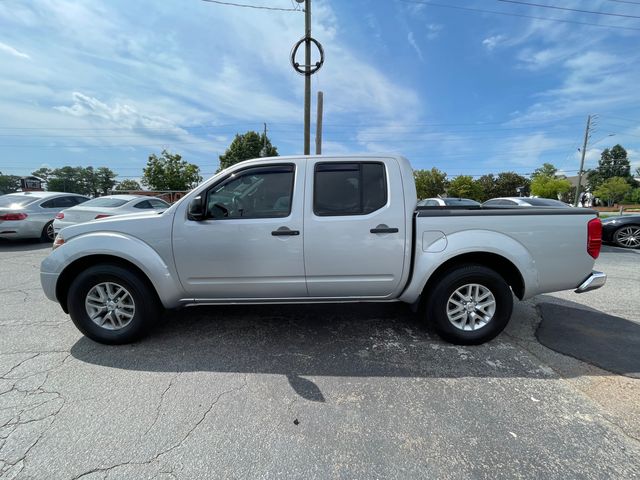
60	202
349	188
143	205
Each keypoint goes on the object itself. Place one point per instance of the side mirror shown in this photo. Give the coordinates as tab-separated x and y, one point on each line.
196	209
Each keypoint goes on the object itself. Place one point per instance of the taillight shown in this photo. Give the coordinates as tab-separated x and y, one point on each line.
594	237
102	215
60	216
13	216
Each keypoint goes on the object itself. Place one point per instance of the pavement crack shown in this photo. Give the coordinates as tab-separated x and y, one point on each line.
162	395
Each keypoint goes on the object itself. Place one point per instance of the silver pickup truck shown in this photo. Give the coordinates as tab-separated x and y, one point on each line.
319	229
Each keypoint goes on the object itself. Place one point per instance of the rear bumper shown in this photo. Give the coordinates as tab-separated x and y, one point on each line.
592	282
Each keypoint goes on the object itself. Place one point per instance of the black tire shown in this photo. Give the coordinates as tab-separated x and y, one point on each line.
438	302
146	307
48	235
619	234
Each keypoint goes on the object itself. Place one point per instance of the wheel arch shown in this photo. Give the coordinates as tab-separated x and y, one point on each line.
74	268
501	265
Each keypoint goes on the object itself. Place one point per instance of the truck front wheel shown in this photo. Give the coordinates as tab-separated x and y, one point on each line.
112	305
470	305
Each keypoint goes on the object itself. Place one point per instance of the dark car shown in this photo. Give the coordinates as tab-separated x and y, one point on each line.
622	230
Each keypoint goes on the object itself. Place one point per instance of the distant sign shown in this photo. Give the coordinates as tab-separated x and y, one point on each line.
31	184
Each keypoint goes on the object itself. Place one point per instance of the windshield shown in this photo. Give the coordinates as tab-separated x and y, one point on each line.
105	202
545	202
460	201
16	201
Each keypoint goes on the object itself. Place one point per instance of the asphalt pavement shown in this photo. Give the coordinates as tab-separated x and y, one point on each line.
329	391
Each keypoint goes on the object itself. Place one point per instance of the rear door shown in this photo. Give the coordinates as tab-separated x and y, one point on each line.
354	227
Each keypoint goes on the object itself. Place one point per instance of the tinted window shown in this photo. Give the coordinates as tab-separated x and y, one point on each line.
59	202
79	200
349	188
143	205
106	202
460	201
16	201
262	192
545	202
159	204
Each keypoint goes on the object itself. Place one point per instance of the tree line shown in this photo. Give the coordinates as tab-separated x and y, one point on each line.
611	180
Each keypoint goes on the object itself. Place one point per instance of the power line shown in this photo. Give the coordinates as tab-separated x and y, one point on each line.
625	1
520	15
567	9
256	7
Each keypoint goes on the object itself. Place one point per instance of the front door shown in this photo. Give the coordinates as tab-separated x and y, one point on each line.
250	243
355	233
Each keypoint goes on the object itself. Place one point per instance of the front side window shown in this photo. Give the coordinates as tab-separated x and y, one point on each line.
349	188
261	192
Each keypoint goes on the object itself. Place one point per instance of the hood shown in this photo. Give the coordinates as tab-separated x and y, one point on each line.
132	224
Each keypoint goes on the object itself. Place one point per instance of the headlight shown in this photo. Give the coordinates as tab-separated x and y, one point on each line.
59	241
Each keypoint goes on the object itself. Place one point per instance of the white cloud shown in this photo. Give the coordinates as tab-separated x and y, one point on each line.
433	30
492	42
12	51
414	45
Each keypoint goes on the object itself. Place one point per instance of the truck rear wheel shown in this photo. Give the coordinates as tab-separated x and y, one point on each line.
112	305
470	305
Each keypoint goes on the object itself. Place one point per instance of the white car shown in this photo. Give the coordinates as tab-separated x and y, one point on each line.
525	202
448	202
107	206
30	214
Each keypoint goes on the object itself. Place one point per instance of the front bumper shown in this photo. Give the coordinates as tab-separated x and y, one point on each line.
592	282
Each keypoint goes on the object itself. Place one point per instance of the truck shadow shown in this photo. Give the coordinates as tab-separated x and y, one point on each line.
606	341
297	341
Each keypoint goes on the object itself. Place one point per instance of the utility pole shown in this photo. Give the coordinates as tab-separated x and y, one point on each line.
584	152
307	70
319	125
307	76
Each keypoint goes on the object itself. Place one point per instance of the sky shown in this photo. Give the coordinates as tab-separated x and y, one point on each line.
448	84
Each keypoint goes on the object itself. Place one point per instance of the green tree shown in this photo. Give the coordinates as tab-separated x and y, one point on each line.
42	173
613	162
612	190
464	186
487	184
547	169
169	172
128	184
9	183
548	186
68	179
430	183
105	180
508	183
247	146
633	196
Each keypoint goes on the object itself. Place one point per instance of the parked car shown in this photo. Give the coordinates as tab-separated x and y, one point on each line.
31	214
622	230
107	206
448	202
319	229
525	202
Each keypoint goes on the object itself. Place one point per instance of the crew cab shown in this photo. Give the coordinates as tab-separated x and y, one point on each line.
319	229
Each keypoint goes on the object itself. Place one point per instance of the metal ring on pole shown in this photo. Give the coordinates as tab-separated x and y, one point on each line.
302	69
